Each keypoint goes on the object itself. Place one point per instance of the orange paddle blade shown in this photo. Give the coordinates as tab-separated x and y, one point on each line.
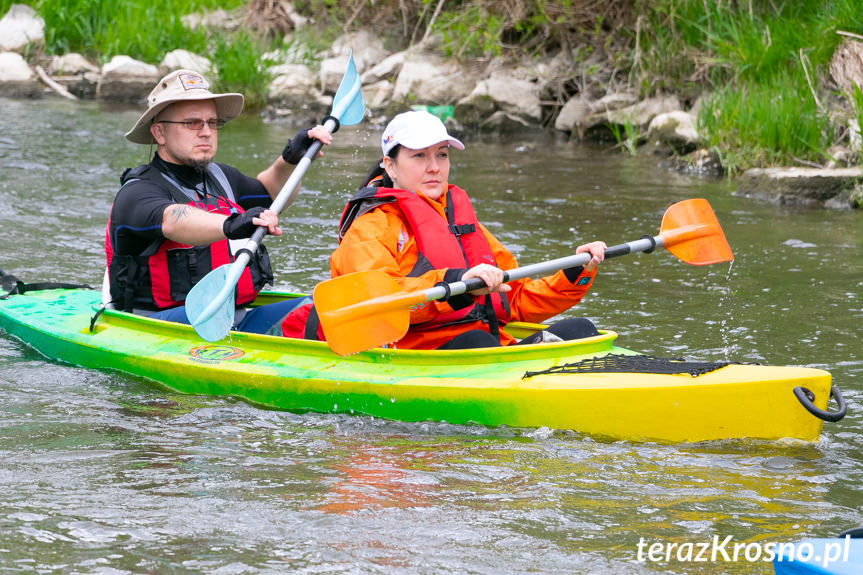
691	232
363	310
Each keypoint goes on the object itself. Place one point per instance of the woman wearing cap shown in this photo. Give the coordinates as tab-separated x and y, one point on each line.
174	219
410	222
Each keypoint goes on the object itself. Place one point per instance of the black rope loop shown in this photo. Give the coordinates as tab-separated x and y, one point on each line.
807	399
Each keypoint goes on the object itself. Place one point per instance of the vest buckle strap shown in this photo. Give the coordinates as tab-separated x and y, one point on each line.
462	229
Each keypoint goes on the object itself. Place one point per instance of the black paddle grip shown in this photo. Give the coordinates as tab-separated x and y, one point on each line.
477	283
615	251
625	249
473	283
239	225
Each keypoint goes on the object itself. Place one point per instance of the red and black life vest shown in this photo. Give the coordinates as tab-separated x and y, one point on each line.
457	242
161	276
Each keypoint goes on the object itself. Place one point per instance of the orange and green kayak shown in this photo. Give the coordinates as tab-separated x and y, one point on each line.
589	385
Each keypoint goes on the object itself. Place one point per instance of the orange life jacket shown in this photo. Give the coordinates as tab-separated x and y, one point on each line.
454	243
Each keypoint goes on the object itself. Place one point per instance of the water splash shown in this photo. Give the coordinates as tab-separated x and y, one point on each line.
723	325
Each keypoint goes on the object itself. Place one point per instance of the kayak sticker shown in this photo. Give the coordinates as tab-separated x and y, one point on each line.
215	353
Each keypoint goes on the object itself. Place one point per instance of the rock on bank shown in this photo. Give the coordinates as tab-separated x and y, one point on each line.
836	187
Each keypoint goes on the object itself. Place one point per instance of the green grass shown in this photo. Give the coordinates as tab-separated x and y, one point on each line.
715	41
148	29
5	4
145	31
753	64
239	62
775	122
142	29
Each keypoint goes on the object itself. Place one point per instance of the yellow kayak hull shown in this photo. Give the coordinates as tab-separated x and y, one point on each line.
479	386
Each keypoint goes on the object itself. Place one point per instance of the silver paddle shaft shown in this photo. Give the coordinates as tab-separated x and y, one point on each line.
285	198
645	244
287	194
292	186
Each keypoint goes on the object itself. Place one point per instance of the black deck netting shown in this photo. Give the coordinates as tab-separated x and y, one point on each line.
618	363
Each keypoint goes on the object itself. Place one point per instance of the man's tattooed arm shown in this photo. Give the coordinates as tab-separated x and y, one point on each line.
179	212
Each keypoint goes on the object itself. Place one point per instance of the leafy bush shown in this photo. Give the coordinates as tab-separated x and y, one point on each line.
760	60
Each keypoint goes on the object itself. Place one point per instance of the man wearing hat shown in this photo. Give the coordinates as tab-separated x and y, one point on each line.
174	219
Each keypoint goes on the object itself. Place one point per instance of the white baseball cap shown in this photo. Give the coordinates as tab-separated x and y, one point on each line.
179	86
416	130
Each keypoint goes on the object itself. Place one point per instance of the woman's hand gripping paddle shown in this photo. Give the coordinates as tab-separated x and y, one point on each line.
211	302
369	309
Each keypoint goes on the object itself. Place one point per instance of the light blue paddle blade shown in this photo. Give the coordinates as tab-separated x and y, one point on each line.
348	104
210	304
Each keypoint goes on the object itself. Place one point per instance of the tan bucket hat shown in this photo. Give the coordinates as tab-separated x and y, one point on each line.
178	86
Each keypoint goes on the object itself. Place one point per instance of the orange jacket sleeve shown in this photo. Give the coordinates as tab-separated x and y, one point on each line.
536	300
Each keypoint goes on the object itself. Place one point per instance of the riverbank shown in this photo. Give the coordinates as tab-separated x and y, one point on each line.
719	89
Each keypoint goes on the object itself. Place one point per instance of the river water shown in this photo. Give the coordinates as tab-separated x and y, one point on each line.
105	473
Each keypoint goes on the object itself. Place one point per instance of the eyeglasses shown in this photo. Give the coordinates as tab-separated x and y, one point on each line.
197	124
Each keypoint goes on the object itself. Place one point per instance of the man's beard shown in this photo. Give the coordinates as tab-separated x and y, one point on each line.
200	165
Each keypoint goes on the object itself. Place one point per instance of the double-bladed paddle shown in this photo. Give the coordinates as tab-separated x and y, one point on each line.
210	303
369	309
